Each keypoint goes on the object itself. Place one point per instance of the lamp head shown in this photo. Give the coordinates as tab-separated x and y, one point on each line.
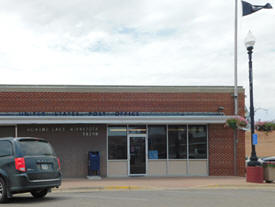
250	40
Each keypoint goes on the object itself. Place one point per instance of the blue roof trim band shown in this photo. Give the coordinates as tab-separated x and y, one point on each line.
112	114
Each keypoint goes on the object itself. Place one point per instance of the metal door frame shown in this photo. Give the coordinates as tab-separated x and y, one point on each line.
146	153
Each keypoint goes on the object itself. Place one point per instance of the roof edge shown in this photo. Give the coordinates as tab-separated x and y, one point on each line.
119	88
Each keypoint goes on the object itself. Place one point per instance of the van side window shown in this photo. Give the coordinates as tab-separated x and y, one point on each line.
5	148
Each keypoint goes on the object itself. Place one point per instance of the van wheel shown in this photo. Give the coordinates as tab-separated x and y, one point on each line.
3	191
39	193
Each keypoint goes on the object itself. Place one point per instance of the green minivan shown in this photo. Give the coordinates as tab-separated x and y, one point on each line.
27	165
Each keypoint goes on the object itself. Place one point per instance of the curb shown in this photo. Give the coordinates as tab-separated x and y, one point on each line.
251	186
133	188
101	188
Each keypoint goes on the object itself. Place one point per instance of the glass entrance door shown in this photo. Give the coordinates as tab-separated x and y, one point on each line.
137	155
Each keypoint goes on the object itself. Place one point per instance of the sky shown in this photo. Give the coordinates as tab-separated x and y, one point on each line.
137	42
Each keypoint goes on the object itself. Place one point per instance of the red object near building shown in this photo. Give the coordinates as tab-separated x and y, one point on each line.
254	174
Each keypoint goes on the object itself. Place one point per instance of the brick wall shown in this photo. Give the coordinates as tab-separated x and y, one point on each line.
111	102
241	153
221	151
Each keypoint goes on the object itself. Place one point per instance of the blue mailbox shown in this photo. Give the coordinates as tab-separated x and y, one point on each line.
93	163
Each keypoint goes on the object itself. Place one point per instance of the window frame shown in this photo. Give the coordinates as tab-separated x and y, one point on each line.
166	140
108	141
207	147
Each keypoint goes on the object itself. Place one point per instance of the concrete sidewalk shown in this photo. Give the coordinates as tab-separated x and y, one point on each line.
160	183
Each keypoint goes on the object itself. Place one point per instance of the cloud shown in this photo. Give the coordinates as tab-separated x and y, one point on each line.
133	42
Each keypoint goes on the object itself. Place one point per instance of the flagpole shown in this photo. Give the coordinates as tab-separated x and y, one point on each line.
236	60
235	83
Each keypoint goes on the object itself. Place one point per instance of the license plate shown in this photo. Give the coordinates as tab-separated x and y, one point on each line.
44	167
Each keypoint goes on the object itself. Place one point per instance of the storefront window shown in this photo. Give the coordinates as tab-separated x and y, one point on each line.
157	148
177	140
197	135
117	142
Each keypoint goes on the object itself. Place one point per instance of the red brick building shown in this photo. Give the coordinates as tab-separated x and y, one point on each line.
137	130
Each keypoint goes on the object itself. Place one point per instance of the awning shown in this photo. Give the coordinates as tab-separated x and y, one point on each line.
176	119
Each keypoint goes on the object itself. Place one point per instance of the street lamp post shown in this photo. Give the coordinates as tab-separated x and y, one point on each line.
249	43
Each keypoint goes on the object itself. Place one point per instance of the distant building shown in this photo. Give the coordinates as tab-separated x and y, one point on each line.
137	130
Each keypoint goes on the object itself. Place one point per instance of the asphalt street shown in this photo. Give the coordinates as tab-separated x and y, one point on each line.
152	198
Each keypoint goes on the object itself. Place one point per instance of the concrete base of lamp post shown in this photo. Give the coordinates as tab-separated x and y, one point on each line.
254	174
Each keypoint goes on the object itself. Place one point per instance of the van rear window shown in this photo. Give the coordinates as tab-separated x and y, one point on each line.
5	148
35	147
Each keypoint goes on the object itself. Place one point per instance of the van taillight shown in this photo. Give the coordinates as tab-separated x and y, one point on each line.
20	164
59	165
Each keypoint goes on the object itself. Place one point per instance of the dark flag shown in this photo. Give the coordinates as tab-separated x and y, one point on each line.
249	8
